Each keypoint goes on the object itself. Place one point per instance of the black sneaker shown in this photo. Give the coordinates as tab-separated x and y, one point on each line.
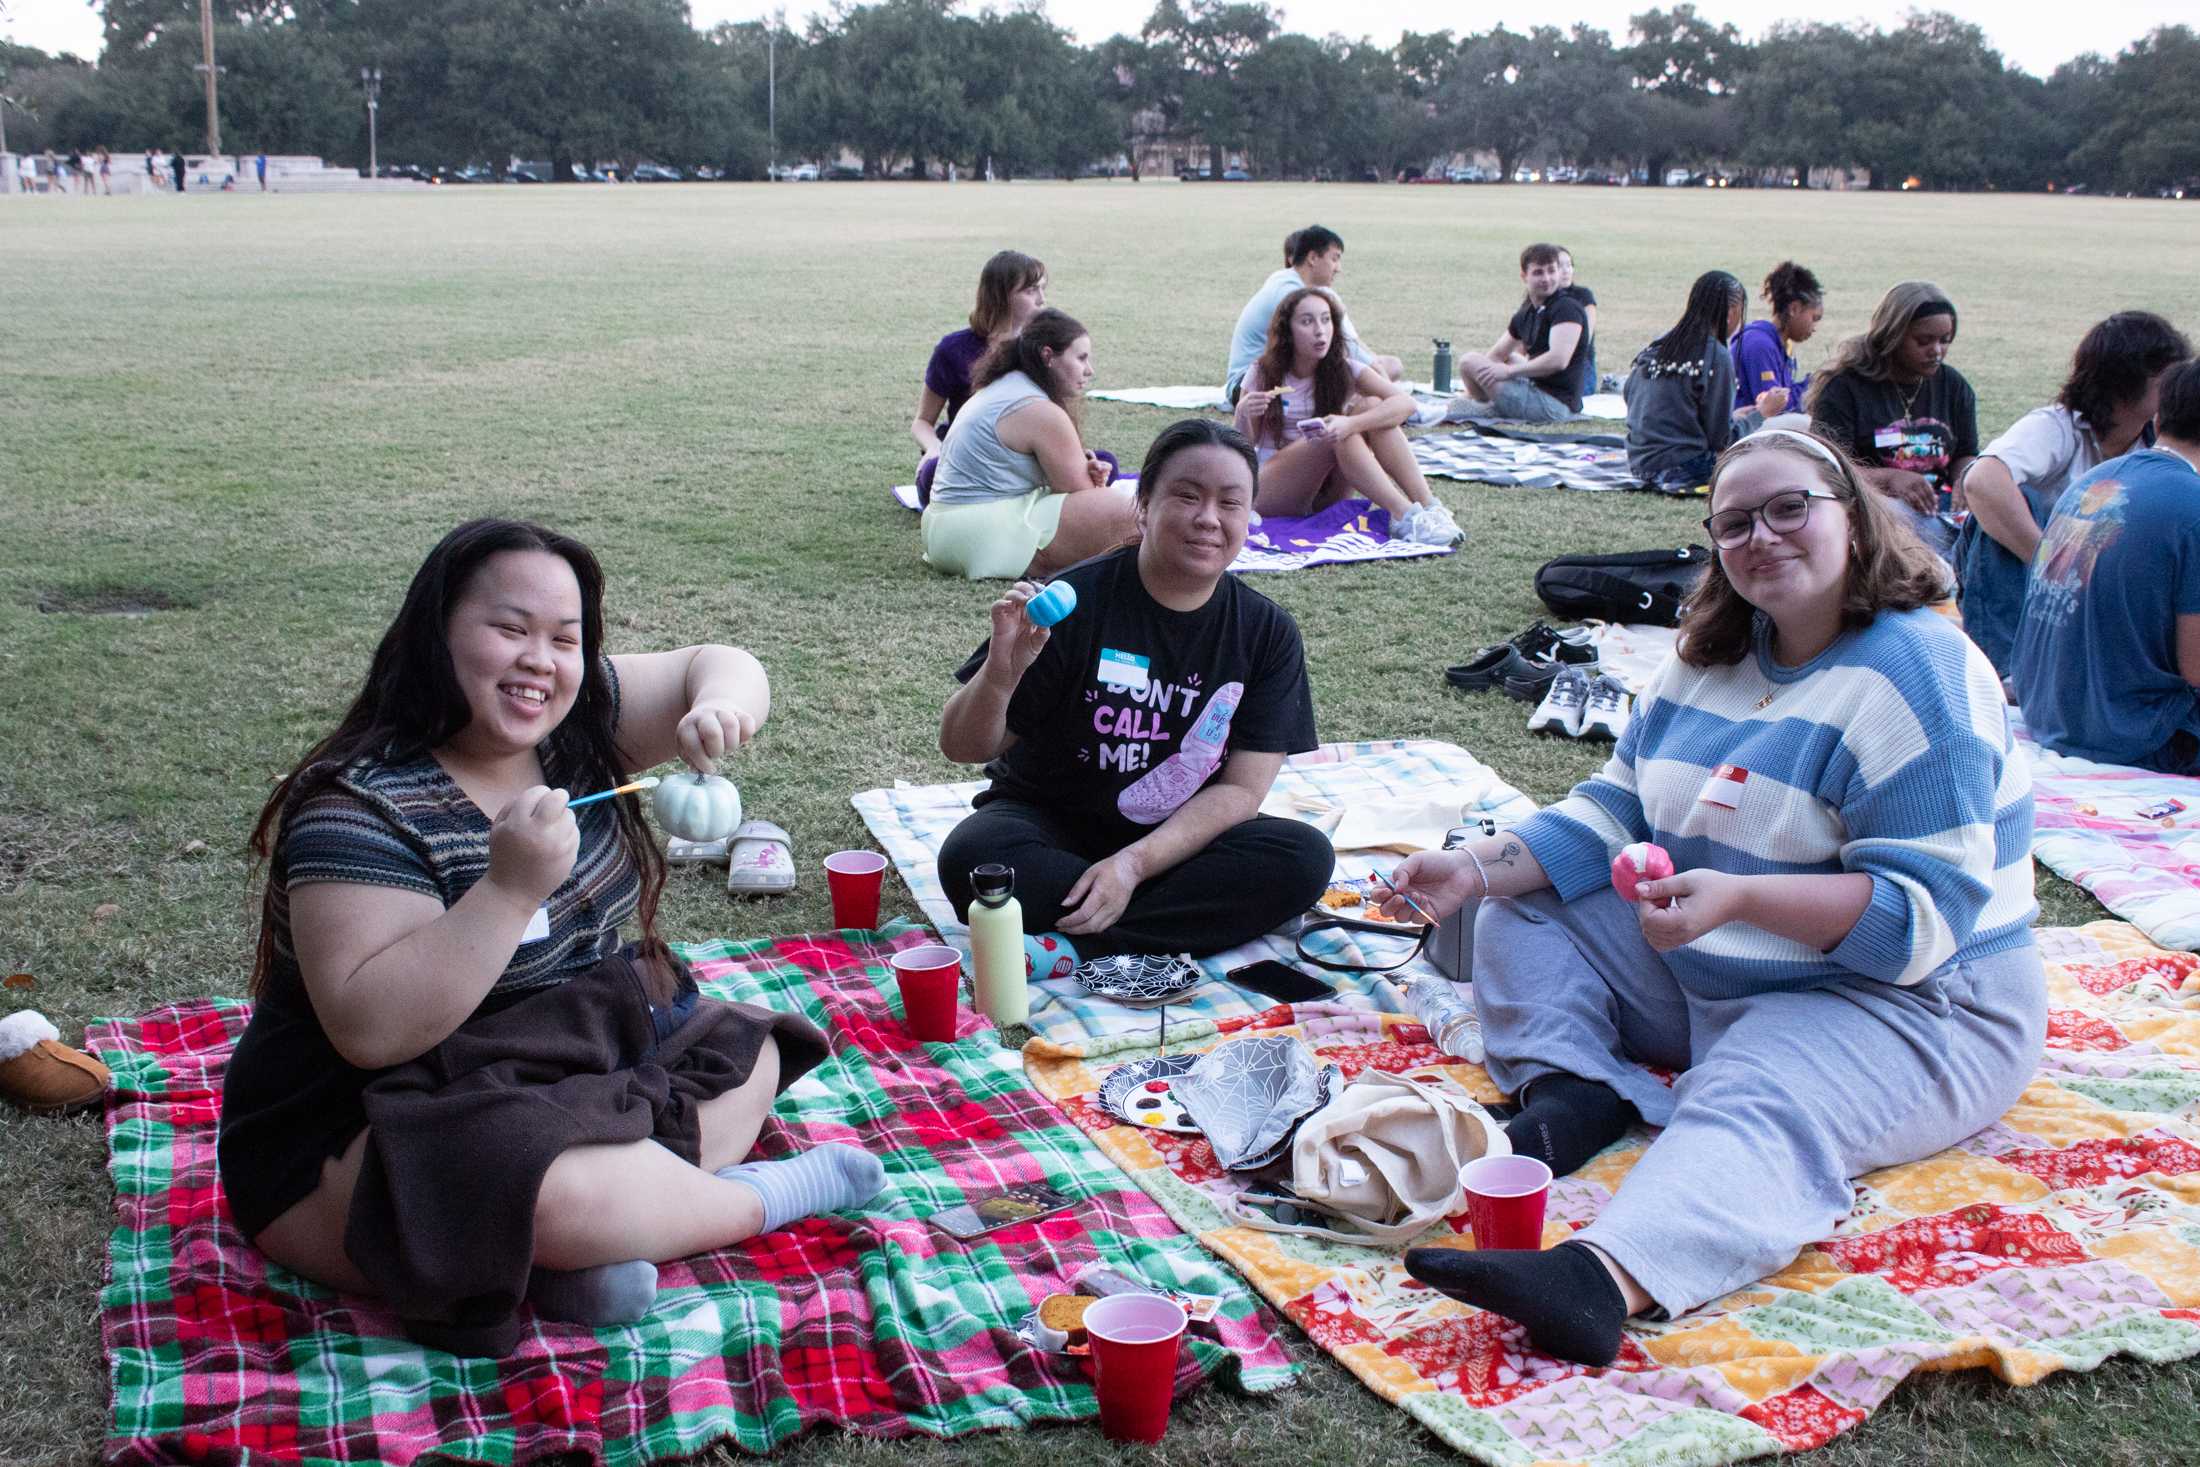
1532	682
1544	643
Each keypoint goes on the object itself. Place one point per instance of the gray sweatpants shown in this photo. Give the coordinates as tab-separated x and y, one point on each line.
1783	1097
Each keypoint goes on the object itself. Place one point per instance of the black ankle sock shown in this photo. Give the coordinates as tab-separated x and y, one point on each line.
1569	1305
1566	1120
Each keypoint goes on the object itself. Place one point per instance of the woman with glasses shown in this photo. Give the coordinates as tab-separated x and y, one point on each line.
1841	973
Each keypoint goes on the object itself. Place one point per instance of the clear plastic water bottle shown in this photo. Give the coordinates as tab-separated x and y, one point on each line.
1452	1026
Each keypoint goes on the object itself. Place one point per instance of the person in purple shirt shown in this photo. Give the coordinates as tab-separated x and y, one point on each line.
1011	289
1765	380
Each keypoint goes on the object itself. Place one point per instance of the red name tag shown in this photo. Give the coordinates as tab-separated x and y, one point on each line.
1724	787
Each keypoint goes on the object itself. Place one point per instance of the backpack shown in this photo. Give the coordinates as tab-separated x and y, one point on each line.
1643	586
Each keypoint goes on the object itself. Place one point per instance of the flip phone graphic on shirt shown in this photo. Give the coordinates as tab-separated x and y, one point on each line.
1177	778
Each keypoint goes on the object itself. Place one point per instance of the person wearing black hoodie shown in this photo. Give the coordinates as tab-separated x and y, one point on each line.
1680	392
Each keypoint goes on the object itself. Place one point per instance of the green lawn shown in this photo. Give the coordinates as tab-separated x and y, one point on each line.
260	412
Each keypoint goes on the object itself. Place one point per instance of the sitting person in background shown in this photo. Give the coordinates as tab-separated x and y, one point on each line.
458	1088
1017	493
1130	746
1586	298
2107	658
1326	430
1680	393
1312	256
1841	972
1011	290
1533	372
1909	420
1767	388
2104	410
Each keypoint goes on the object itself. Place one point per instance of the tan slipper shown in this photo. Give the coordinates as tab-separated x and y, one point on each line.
43	1075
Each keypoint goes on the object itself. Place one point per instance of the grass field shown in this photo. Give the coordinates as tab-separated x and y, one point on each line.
258	413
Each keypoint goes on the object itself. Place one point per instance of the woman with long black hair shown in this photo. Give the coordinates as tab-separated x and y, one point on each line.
458	1089
1680	392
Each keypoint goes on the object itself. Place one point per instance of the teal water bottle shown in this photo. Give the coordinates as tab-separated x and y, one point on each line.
1441	376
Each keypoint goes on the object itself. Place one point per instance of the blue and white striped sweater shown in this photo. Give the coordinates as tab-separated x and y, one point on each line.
1889	754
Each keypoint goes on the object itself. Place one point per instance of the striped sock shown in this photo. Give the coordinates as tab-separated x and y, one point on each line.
827	1178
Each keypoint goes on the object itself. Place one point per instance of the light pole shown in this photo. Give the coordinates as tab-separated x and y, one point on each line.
370	79
771	92
207	66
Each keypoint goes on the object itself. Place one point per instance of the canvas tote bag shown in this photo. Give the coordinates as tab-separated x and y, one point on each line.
1384	1157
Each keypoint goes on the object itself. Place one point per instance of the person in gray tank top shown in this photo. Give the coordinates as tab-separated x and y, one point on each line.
1017	493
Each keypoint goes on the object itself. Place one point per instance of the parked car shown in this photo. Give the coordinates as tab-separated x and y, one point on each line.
1596	176
1471	173
474	173
1234	174
404	170
1677	178
527	172
704	173
654	173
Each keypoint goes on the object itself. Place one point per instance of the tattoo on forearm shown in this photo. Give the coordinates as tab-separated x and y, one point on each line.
1507	854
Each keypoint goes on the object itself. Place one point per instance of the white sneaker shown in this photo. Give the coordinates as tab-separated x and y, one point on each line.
1609	708
1561	708
1422	527
1435	514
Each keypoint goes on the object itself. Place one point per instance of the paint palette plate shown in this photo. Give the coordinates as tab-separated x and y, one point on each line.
1143	1093
1140	979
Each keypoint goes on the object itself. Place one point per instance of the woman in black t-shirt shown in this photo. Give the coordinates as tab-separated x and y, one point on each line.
1908	419
1130	745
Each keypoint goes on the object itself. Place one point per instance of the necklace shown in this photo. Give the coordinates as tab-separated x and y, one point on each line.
1911	396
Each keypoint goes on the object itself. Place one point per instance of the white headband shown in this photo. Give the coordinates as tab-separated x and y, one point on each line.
1807	441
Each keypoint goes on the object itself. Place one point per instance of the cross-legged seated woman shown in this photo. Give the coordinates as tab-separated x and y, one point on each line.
457	1088
1842	971
1130	745
1328	430
1017	493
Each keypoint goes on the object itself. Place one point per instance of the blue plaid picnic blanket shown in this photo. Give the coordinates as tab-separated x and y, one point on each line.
911	821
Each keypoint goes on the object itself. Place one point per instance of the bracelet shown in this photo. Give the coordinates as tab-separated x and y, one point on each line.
1477	860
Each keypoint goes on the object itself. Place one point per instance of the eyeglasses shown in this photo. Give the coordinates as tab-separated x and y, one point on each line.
1783	514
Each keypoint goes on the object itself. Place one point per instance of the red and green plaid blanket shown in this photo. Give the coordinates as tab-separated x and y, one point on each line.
873	1322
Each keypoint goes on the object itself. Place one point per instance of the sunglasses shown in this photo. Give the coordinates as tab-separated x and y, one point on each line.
1783	514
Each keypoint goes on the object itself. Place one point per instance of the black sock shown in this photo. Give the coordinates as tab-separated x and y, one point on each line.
1568	1303
1566	1120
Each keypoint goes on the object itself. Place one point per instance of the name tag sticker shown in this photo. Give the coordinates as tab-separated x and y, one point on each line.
1887	438
538	927
1724	787
1124	669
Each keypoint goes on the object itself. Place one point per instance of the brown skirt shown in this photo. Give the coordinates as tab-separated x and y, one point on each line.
443	1220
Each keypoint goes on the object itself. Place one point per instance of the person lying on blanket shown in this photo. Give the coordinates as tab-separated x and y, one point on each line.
1534	371
2107	655
1011	290
1130	746
1017	493
1841	973
1327	430
2105	410
457	1088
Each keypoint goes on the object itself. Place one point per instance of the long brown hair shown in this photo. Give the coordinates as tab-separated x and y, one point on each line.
1048	330
412	703
1889	569
1006	273
1332	374
1871	356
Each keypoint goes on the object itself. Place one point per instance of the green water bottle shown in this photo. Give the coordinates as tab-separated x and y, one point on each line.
1440	377
997	945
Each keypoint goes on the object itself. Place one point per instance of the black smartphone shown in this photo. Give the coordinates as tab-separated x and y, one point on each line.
1280	981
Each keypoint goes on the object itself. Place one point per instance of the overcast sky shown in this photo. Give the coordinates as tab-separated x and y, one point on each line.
2037	37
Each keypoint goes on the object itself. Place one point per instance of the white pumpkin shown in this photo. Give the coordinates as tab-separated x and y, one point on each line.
697	806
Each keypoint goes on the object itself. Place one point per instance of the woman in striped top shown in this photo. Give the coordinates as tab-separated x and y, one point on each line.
452	1060
1842	972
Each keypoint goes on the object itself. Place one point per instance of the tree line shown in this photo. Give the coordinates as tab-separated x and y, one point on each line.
913	86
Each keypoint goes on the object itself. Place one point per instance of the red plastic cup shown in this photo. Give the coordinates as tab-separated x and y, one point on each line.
1134	1344
1505	1198
854	877
929	978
